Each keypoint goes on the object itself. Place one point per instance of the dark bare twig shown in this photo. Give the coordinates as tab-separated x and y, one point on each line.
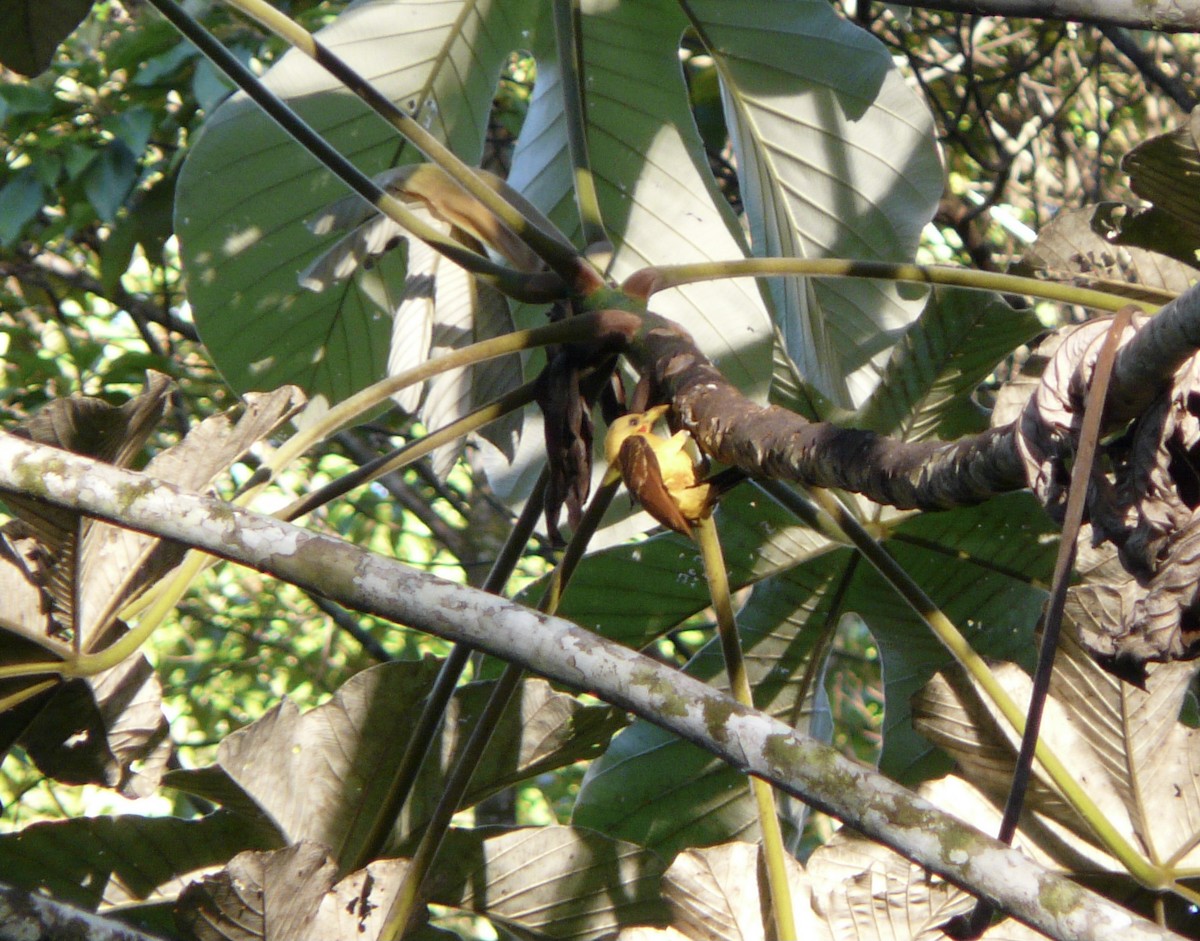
348	622
1125	44
39	268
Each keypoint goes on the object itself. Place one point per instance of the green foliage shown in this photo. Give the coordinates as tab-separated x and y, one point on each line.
289	733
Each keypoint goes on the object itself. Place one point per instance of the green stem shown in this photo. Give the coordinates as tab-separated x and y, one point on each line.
402	916
578	329
570	63
945	631
739	684
561	258
650	281
402	457
434	709
512	283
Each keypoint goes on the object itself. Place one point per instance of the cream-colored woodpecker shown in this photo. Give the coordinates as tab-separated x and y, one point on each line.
661	473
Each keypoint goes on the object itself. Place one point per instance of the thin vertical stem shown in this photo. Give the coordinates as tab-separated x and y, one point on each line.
569	44
402	916
739	683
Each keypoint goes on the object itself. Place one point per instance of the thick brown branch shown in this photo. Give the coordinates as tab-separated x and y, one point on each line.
773	442
1147	363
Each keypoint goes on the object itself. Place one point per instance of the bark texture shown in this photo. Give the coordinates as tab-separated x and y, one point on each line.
750	741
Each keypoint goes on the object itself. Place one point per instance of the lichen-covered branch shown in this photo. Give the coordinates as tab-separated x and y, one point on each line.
29	915
748	740
1168	16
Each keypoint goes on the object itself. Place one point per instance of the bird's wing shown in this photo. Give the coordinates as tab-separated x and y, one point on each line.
642	475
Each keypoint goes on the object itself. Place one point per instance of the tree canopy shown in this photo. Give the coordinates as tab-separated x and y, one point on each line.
349	295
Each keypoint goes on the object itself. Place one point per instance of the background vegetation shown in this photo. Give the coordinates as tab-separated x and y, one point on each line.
1034	120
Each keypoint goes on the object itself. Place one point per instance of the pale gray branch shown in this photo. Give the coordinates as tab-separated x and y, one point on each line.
25	915
1169	16
552	647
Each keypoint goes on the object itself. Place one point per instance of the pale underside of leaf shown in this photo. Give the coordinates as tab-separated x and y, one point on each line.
316	776
655	190
246	189
551	882
810	99
1123	744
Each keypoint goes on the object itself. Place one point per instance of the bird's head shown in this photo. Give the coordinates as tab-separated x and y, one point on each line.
635	423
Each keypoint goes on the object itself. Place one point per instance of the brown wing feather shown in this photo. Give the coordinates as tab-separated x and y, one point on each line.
641	473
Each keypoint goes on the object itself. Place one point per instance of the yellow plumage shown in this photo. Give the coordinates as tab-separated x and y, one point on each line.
660	472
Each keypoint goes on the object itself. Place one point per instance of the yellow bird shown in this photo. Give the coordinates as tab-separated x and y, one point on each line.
660	472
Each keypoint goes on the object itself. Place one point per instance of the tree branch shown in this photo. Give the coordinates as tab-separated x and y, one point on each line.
47	264
1166	16
29	915
748	740
1125	44
775	443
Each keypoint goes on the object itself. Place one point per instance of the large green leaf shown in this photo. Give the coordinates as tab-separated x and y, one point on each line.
985	567
836	157
655	189
655	789
247	189
954	346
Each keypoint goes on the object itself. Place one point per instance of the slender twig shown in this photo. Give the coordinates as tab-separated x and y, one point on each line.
1168	16
739	685
1081	476
510	282
438	699
347	621
838	516
650	281
407	904
559	256
414	451
1125	44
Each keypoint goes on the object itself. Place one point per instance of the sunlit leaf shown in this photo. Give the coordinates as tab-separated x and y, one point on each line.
651	175
551	882
717	894
809	98
246	188
1126	744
